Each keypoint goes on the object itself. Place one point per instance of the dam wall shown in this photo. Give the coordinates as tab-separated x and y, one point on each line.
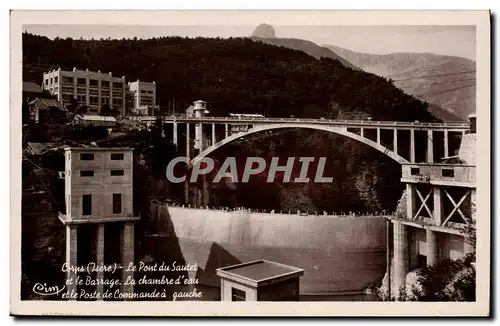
337	253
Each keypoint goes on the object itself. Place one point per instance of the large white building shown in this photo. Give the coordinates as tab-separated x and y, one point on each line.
94	89
143	96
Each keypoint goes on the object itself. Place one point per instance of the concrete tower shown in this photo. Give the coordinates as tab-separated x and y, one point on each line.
98	197
440	201
199	110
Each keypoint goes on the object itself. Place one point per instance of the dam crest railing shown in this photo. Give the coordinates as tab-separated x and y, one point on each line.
277	212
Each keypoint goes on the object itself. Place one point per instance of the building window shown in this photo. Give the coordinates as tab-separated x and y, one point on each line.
87	173
86	157
415	171
94	99
117	156
117	85
238	295
67	98
93	82
55	79
81	81
87	204
104	100
51	80
81	98
67	80
117	203
116	172
68	89
448	173
146	100
104	83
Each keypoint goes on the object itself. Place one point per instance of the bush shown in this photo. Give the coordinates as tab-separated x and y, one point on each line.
448	280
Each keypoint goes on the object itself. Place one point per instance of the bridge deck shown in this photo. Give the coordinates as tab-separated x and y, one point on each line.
450	126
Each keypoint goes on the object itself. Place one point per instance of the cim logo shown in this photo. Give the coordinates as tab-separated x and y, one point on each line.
253	166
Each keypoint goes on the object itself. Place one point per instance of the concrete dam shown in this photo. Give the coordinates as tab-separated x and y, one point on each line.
339	254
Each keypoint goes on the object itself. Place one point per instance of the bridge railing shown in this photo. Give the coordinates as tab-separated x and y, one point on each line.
371	123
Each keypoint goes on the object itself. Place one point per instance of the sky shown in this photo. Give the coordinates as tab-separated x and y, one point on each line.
448	40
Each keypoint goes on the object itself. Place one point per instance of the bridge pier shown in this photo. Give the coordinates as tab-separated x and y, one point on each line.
430	147
395	142
401	262
378	135
473	203
432	247
226	130
438	205
174	134
188	142
446	151
412	145
213	134
198	138
410	201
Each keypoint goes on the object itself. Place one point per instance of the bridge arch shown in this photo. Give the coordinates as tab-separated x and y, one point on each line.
339	130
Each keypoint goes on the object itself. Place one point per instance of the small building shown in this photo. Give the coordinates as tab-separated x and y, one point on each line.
32	91
96	121
46	110
260	280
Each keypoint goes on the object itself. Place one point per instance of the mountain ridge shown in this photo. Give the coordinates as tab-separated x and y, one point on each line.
306	46
419	74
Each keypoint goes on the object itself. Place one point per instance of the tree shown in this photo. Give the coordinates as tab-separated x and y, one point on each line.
81	109
72	105
447	280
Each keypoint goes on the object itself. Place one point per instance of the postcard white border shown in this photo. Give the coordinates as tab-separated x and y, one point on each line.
479	18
